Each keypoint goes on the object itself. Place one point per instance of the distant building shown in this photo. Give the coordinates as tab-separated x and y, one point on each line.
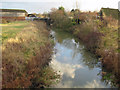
12	14
110	12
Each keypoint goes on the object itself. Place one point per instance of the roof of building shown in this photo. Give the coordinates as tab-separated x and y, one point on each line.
12	10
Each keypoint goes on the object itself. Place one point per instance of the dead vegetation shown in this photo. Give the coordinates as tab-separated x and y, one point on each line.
24	56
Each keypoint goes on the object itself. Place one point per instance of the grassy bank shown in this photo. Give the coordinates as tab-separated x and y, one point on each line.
10	30
26	52
99	36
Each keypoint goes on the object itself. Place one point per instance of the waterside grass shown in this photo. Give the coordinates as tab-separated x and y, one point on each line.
25	53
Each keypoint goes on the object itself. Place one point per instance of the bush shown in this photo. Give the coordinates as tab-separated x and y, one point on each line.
61	20
88	34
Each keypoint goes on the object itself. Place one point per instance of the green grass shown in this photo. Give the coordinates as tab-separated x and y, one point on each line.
11	29
110	38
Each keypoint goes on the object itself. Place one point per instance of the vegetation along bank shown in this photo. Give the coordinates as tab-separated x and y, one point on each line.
99	34
26	52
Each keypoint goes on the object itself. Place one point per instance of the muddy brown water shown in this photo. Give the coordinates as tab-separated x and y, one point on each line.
78	67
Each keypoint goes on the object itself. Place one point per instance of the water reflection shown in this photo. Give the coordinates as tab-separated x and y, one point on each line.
78	68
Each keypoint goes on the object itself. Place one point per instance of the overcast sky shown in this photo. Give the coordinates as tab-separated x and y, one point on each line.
40	6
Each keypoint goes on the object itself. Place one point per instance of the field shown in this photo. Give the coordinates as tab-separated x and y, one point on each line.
10	30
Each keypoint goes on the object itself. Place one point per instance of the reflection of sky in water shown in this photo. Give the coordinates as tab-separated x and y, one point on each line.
70	61
66	55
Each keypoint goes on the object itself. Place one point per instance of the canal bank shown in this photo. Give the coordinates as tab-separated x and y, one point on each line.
26	53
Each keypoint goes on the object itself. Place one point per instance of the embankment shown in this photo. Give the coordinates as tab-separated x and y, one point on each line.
26	50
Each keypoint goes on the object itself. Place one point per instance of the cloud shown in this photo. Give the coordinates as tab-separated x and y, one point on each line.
46	5
29	0
66	58
65	69
71	79
84	5
30	7
67	84
93	84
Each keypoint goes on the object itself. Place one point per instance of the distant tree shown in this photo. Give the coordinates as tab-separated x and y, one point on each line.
45	14
60	19
61	8
77	10
39	15
53	9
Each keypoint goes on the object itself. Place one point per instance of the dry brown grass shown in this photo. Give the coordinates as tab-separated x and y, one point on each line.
101	37
24	56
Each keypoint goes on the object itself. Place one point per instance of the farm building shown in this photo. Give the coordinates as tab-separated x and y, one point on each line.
13	14
110	12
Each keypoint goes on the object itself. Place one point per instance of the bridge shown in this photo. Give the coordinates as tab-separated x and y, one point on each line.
47	20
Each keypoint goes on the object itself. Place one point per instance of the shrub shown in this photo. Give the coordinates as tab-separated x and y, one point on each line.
61	20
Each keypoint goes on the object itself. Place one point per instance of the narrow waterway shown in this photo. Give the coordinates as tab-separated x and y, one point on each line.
78	67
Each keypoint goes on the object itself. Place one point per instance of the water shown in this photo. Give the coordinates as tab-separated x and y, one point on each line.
78	67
